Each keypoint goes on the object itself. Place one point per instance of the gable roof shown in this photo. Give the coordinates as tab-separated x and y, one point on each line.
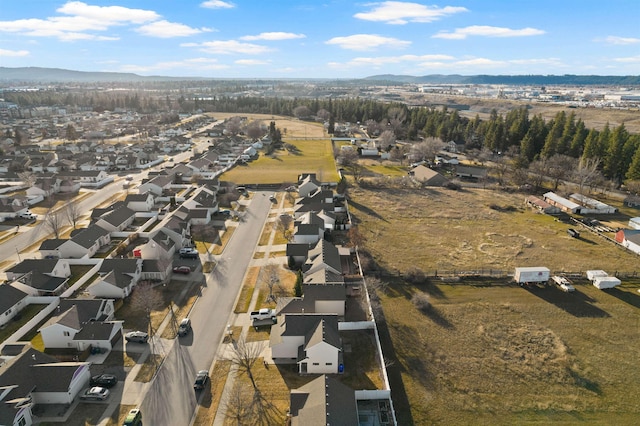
41	281
96	331
87	237
428	176
118	216
324	292
304	324
323	276
87	309
39	265
9	296
323	401
52	243
324	252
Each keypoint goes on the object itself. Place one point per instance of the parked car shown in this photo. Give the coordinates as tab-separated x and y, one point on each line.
136	336
201	379
134	418
104	380
224	212
273	198
95	393
185	327
189	253
182	270
263	314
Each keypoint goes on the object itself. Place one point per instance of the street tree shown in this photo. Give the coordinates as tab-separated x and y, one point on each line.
53	220
239	404
71	132
284	224
146	299
73	212
270	277
244	356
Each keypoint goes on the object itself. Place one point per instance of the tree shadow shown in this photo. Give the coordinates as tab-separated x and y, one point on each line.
366	210
575	303
435	315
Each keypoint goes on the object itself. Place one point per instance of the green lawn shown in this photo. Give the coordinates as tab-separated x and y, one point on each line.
314	156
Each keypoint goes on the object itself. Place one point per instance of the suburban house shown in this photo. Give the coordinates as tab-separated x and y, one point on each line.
323	255
427	176
117	220
308	229
40	277
117	278
323	401
89	178
630	239
140	202
308	185
33	378
204	198
310	340
157	185
12	301
297	253
83	243
82	323
160	246
321	199
44	186
157	270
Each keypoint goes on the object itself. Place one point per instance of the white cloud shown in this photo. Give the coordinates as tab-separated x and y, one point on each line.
13	53
108	14
480	62
166	29
629	59
487	31
217	4
228	47
273	36
367	42
193	64
400	13
538	61
251	62
621	40
82	18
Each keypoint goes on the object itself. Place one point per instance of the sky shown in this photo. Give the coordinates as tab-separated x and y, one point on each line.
323	39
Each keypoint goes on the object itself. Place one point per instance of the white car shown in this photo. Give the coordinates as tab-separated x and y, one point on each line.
95	393
563	283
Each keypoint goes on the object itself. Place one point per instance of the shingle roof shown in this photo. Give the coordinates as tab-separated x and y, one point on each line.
88	236
323	276
323	401
52	243
28	265
96	331
9	296
118	216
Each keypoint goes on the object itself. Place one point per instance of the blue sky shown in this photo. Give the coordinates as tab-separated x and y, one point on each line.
323	39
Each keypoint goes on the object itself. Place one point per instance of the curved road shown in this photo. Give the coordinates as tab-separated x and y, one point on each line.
170	399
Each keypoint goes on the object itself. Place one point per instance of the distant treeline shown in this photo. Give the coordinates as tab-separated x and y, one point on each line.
525	138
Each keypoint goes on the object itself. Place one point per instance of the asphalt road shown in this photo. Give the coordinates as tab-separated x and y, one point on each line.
171	399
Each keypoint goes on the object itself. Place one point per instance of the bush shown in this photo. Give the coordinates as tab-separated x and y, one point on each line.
422	301
415	276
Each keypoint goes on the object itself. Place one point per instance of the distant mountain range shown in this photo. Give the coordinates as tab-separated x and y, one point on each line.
57	75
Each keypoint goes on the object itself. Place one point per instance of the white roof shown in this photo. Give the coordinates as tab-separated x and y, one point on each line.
561	200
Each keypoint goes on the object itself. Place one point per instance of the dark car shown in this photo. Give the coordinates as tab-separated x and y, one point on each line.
104	380
182	270
136	336
201	380
185	327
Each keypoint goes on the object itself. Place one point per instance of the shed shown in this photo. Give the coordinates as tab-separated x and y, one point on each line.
541	205
606	282
592	206
562	203
532	274
634	223
596	273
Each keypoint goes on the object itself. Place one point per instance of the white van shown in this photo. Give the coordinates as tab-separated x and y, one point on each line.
27	215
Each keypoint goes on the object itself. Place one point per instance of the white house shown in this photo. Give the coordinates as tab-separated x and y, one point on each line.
140	202
117	278
12	301
81	323
33	378
310	340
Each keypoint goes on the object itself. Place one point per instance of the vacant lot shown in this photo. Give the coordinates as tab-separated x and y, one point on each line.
290	127
498	354
313	156
436	229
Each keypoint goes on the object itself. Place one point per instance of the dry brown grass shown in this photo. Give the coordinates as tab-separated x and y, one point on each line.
149	368
119	415
499	354
438	229
290	127
266	234
248	287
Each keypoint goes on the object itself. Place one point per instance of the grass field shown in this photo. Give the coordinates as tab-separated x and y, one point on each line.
499	354
313	156
291	128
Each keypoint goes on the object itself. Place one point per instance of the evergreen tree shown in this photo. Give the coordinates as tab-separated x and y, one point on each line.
297	288
613	157
634	169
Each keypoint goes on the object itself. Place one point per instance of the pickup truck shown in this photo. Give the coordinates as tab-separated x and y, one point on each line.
263	314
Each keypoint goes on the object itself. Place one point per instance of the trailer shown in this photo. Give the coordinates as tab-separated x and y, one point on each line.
532	274
606	282
596	273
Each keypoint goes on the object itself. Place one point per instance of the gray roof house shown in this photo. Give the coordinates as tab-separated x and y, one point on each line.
33	378
84	242
310	340
12	301
117	220
323	401
323	255
117	278
40	276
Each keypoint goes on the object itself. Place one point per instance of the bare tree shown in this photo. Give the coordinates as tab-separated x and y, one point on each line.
375	284
346	157
500	169
356	238
559	168
357	171
146	299
239	404
428	149
245	355
323	114
398	153
73	212
233	125
538	171
284	223
373	127
53	221
302	112
28	178
270	276
386	138
586	172
255	130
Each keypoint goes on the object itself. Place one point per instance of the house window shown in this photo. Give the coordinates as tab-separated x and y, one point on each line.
316	363
8	312
329	363
66	334
22	421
